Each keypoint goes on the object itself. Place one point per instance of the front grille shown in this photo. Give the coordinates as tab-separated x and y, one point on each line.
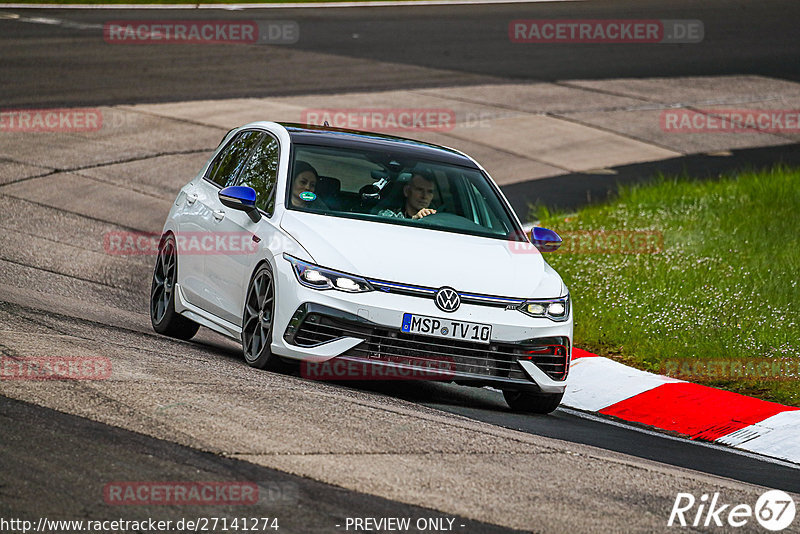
430	293
491	360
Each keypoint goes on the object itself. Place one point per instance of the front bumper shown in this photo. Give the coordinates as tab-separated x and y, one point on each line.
364	328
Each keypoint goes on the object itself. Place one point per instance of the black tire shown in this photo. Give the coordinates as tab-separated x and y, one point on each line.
162	294
522	401
257	319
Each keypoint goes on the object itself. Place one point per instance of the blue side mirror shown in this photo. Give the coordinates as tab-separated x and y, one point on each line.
545	239
240	197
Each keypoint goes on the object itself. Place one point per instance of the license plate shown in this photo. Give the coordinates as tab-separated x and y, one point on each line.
446	328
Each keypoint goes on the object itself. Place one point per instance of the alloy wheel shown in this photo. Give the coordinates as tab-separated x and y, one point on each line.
258	311
163	281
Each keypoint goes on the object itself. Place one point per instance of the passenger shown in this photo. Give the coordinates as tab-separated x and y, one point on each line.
305	181
418	193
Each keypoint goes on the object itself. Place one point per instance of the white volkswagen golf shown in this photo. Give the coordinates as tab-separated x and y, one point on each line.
324	246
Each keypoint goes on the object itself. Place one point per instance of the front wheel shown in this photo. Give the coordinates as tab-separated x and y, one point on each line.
523	401
164	318
257	320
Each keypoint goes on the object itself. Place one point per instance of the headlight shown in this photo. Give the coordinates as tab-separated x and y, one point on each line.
555	309
317	277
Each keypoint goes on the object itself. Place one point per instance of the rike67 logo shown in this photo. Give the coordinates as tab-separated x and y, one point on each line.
774	510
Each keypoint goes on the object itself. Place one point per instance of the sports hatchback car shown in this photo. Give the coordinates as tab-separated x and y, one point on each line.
368	252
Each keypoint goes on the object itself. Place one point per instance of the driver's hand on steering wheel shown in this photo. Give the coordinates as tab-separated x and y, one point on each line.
423	212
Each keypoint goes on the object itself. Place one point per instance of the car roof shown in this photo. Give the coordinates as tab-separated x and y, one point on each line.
339	137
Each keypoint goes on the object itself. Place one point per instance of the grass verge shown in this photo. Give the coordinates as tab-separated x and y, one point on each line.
716	302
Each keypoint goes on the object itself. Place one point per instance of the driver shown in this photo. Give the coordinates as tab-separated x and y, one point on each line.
418	195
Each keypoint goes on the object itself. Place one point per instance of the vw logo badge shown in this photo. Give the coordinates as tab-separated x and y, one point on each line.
447	299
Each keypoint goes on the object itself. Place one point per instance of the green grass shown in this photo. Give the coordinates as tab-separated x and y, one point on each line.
724	287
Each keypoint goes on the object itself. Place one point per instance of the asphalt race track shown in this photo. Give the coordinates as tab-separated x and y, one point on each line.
57	484
320	453
379	48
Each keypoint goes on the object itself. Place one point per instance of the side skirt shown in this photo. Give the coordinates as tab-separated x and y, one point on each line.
204	318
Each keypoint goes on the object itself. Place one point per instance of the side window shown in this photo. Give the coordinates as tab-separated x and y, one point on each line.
261	173
226	167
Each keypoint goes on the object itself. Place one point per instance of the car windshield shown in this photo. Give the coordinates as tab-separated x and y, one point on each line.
395	189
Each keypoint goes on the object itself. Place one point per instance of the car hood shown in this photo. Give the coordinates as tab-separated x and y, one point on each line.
424	257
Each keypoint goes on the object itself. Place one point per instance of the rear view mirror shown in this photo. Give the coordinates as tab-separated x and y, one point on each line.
545	239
